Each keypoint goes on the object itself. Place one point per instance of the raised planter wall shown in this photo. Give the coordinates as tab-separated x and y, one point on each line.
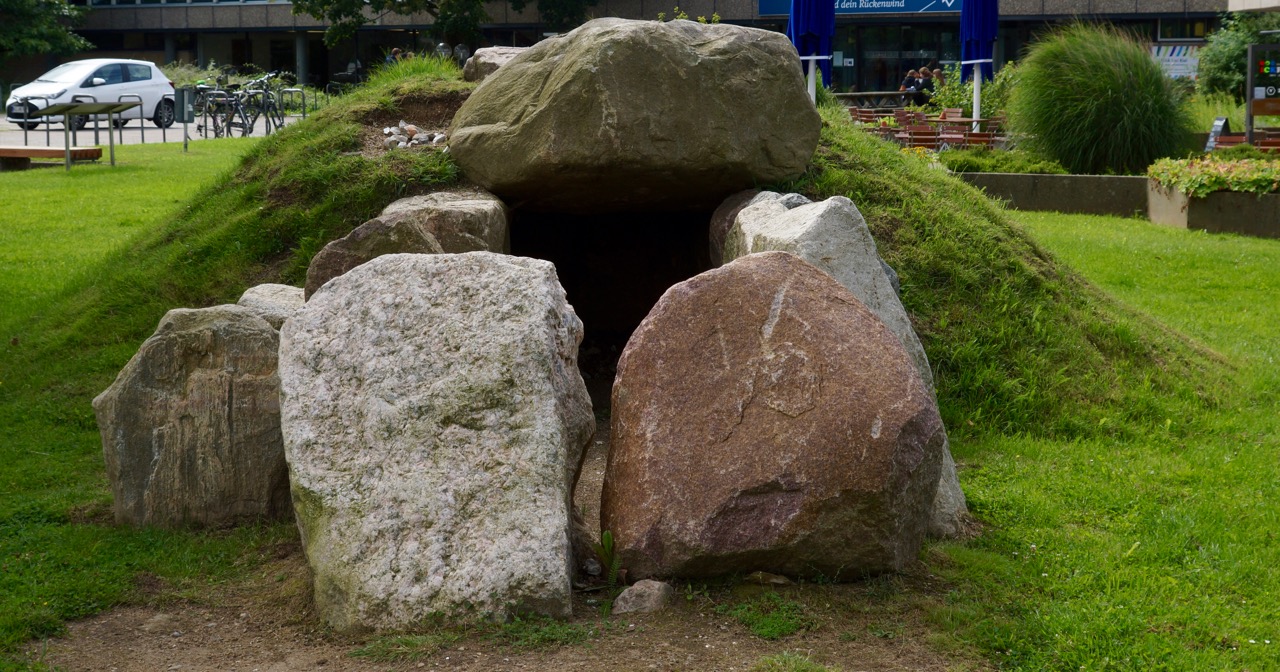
1219	212
1083	194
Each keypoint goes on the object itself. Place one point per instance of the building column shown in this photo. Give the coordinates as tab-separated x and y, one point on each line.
170	48
302	54
200	60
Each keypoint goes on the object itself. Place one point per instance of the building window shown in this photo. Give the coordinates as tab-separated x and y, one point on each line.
1187	29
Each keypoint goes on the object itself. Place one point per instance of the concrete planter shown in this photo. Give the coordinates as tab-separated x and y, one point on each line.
1219	212
1120	195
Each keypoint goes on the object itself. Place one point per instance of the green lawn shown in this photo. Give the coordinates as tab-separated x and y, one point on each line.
1152	553
59	556
1148	548
57	224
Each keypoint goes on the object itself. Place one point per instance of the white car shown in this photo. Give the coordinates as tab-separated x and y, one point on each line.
102	80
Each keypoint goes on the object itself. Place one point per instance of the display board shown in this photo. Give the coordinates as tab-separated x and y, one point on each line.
783	7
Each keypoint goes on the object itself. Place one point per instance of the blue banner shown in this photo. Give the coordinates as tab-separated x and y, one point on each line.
846	7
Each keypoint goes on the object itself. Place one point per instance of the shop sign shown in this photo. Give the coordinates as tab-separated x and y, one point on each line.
783	7
1181	60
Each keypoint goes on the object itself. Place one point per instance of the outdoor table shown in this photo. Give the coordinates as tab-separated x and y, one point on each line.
974	122
875	99
68	110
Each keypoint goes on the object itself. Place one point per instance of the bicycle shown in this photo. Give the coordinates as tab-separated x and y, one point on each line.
262	100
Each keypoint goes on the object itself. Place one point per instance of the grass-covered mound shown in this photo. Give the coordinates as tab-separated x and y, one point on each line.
1018	344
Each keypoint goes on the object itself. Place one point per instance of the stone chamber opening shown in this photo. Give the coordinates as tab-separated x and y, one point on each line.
614	268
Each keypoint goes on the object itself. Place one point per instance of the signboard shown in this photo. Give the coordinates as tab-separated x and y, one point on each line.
1181	60
849	7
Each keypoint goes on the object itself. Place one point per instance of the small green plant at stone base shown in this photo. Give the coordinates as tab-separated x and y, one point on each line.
536	632
769	616
788	662
609	558
676	15
405	647
1092	98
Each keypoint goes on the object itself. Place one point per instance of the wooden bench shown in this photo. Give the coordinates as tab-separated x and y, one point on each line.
13	157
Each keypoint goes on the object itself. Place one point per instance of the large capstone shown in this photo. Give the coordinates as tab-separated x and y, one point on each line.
191	426
764	419
621	115
434	423
833	236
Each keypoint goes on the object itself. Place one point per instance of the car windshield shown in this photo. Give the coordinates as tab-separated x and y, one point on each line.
63	74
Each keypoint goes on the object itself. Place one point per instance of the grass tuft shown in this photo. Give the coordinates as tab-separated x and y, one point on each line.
769	616
1092	98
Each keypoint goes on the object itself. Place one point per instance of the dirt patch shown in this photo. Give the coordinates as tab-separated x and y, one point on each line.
433	113
265	623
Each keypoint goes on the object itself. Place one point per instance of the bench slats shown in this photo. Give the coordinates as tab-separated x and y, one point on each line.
77	153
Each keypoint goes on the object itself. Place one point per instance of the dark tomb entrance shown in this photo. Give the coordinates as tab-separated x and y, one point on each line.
614	268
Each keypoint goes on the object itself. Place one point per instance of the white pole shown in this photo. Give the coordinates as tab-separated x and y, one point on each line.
977	96
977	87
813	81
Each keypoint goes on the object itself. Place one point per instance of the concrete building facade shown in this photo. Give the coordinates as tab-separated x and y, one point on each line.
877	40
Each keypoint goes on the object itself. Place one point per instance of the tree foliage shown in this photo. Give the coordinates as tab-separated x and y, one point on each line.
559	15
1222	60
29	27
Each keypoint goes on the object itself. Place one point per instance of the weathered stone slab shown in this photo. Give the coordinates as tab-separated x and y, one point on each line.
273	303
764	419
191	426
487	60
618	115
370	240
434	422
833	236
470	221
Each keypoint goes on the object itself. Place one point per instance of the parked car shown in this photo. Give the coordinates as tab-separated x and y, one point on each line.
102	80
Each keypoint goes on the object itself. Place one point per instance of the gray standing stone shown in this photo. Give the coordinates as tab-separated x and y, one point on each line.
273	303
487	60
621	114
461	221
191	426
370	240
833	236
645	597
434	422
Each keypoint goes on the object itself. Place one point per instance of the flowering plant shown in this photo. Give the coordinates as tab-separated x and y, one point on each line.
1203	176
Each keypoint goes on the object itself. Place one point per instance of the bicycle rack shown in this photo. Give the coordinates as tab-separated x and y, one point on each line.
164	130
26	119
292	94
260	96
214	98
142	128
75	138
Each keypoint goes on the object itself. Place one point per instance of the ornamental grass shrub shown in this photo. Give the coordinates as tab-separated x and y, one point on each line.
1091	98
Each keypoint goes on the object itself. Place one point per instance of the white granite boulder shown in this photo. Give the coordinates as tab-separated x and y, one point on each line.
434	423
191	426
833	236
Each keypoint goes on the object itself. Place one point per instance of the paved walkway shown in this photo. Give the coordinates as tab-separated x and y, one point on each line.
132	134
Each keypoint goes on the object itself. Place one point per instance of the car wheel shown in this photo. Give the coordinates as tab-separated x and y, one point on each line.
164	114
120	123
29	126
78	122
